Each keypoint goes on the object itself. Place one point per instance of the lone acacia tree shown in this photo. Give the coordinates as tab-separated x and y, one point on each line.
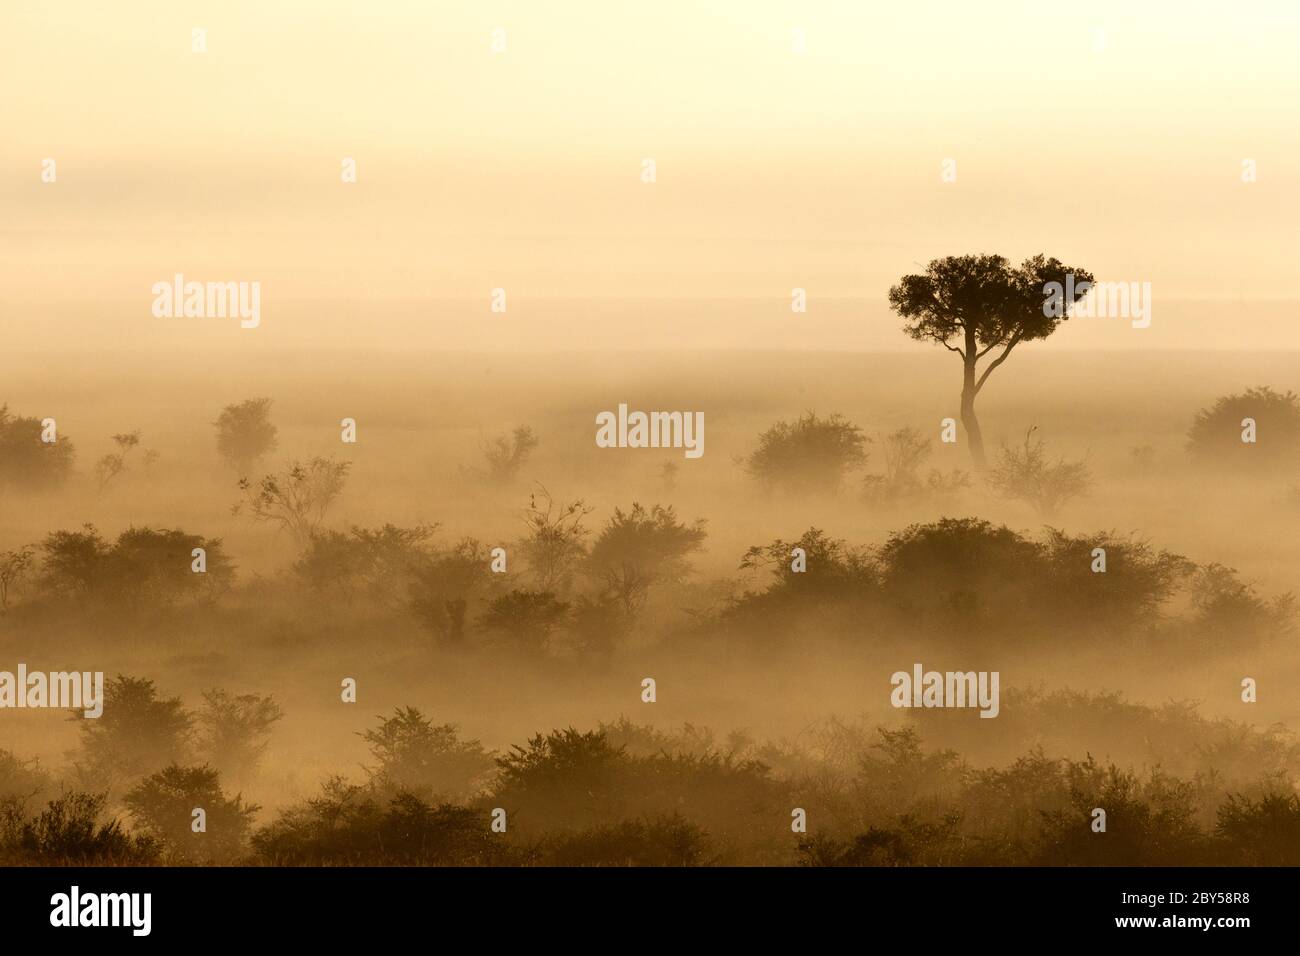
974	305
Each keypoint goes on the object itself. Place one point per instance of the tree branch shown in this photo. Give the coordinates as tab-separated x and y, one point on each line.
996	362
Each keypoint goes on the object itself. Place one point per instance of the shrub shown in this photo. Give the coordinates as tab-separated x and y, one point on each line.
964	573
905	451
420	758
245	433
138	733
1228	611
1137	583
1149	821
21	780
297	499
379	565
113	464
144	567
71	830
235	731
663	841
506	454
572	781
640	548
443	585
26	462
1264	832
556	540
1025	473
810	454
163	805
834	573
1215	435
525	618
352	825
14	567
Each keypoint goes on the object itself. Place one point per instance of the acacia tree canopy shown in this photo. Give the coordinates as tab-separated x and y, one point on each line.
977	305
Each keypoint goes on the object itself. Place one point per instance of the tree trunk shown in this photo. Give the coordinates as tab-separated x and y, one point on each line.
968	419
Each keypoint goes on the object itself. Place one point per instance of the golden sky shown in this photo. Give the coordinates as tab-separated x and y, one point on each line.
1111	135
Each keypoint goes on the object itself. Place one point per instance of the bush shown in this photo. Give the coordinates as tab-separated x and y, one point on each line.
71	831
572	781
379	565
1025	473
506	454
296	499
525	618
1227	607
809	455
556	540
904	452
26	462
443	585
15	565
163	805
143	568
964	574
235	731
1136	585
1215	435
1264	832
425	760
1149	822
352	825
663	841
910	843
245	433
640	548
137	734
21	780
835	575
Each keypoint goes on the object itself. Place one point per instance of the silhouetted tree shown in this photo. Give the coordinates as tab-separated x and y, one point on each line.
641	547
525	617
144	567
26	462
444	584
114	463
21	780
245	433
418	757
138	733
556	540
506	454
234	731
163	805
298	499
380	564
14	566
977	304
